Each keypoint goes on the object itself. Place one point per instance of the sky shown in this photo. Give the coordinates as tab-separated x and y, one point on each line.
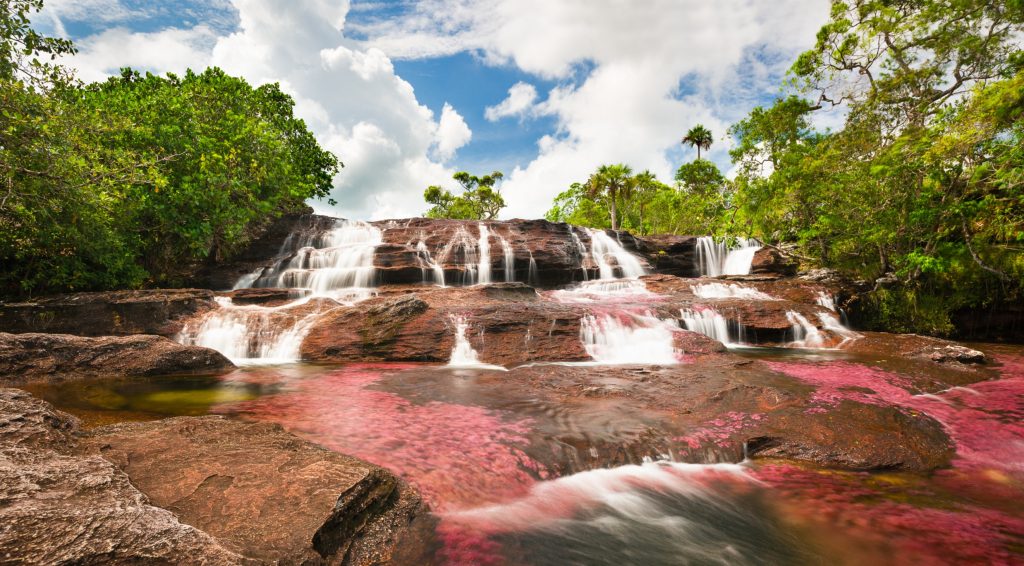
407	92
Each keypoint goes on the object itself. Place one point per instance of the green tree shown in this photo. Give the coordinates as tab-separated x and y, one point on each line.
609	183
480	199
698	137
700	177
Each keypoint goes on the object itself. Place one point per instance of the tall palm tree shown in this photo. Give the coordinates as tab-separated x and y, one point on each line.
611	181
698	137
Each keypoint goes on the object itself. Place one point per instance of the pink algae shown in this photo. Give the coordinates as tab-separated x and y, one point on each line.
719	431
456	455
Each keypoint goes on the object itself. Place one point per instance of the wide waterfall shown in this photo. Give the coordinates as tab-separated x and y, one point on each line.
329	268
714	258
476	265
629	338
707	321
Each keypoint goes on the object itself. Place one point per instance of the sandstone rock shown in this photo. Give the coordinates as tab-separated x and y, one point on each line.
263	492
268	297
26	357
772	260
60	508
952	353
672	255
113	313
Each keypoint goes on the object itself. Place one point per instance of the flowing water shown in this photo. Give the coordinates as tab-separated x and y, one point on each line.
715	258
729	291
709	322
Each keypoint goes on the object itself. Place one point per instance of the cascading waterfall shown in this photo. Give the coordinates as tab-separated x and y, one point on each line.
581	251
428	263
730	291
714	258
508	259
707	321
833	325
533	277
329	268
484	249
463	355
805	334
628	338
826	300
603	246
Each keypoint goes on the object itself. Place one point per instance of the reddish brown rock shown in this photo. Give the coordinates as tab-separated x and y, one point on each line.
113	313
28	357
771	260
262	492
57	507
267	297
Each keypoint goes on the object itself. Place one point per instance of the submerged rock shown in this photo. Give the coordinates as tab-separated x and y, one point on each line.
27	357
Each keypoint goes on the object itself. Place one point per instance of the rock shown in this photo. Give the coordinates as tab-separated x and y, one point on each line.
672	255
952	353
57	507
772	260
112	313
856	436
268	297
26	357
263	492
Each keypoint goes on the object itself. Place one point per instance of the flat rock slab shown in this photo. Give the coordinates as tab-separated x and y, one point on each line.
110	313
261	491
57	507
28	357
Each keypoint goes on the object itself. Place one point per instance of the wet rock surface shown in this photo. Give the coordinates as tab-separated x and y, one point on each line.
58	357
113	313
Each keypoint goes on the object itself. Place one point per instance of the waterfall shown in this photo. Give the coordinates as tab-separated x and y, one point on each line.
581	251
630	339
805	334
532	277
484	249
832	324
253	334
603	246
604	291
339	259
463	355
508	259
826	300
708	322
330	267
437	272
730	291
714	258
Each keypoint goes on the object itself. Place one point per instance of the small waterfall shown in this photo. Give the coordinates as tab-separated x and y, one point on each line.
428	263
484	249
253	334
708	322
833	325
533	277
805	334
605	291
826	300
581	251
508	259
714	258
603	246
630	339
730	291
463	354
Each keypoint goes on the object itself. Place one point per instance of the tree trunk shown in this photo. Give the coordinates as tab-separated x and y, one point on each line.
615	221
698	153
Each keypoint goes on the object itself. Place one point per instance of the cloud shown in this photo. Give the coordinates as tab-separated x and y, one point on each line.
521	97
650	71
452	133
348	94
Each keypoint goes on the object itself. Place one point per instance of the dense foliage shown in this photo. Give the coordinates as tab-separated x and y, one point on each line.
480	200
134	180
920	193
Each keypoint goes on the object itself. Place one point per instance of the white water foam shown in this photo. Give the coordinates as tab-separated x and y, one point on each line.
463	355
826	300
630	338
805	334
714	258
707	321
729	291
603	247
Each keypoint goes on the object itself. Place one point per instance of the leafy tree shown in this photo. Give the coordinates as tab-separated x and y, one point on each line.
700	177
698	137
24	51
480	200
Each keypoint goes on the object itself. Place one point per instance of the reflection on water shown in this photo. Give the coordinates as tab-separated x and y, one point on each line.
467	447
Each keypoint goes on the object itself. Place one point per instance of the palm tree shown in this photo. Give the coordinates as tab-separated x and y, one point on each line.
698	137
644	184
611	181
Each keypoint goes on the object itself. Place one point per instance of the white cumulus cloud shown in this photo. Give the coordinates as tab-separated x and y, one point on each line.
521	97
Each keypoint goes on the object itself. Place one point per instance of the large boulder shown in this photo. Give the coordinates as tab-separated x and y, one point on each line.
28	357
771	260
111	313
262	492
58	507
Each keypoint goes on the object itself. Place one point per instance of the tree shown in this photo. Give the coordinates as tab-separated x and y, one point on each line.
609	183
22	48
701	177
698	137
480	200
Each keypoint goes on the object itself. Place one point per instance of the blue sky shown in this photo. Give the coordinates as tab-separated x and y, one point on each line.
408	92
